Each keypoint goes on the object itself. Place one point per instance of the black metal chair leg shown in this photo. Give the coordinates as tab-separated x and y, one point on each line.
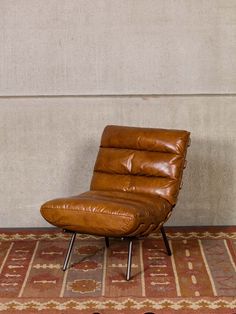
129	262
107	241
72	240
165	241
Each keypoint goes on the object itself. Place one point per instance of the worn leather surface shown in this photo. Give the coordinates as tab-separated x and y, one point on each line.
141	160
136	180
108	212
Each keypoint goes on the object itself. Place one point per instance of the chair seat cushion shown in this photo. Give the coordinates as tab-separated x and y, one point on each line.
108	213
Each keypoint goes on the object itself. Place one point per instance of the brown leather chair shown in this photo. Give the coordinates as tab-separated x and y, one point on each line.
135	184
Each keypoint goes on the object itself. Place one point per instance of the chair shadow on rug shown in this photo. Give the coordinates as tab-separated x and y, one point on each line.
136	180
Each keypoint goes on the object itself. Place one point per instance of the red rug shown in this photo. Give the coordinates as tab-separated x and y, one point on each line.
200	276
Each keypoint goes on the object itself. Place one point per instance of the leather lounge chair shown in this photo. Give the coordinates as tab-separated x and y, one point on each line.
136	180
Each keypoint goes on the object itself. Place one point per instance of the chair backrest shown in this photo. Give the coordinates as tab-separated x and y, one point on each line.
141	160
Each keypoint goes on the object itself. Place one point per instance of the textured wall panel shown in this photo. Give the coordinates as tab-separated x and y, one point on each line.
49	145
63	47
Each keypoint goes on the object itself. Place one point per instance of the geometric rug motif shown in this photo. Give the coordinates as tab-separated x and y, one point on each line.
199	277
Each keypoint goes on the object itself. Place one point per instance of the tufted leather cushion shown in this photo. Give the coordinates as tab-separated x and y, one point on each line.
136	180
141	160
108	212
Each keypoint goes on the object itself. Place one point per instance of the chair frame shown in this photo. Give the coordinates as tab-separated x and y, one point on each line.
130	247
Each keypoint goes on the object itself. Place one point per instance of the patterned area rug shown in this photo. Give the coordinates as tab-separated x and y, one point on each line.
200	276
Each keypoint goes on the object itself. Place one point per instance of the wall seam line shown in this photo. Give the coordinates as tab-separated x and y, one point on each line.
117	95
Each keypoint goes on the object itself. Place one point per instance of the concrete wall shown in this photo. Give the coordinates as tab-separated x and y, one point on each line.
48	148
117	47
180	54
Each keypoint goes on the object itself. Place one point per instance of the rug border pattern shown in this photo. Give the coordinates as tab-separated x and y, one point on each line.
119	305
64	236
